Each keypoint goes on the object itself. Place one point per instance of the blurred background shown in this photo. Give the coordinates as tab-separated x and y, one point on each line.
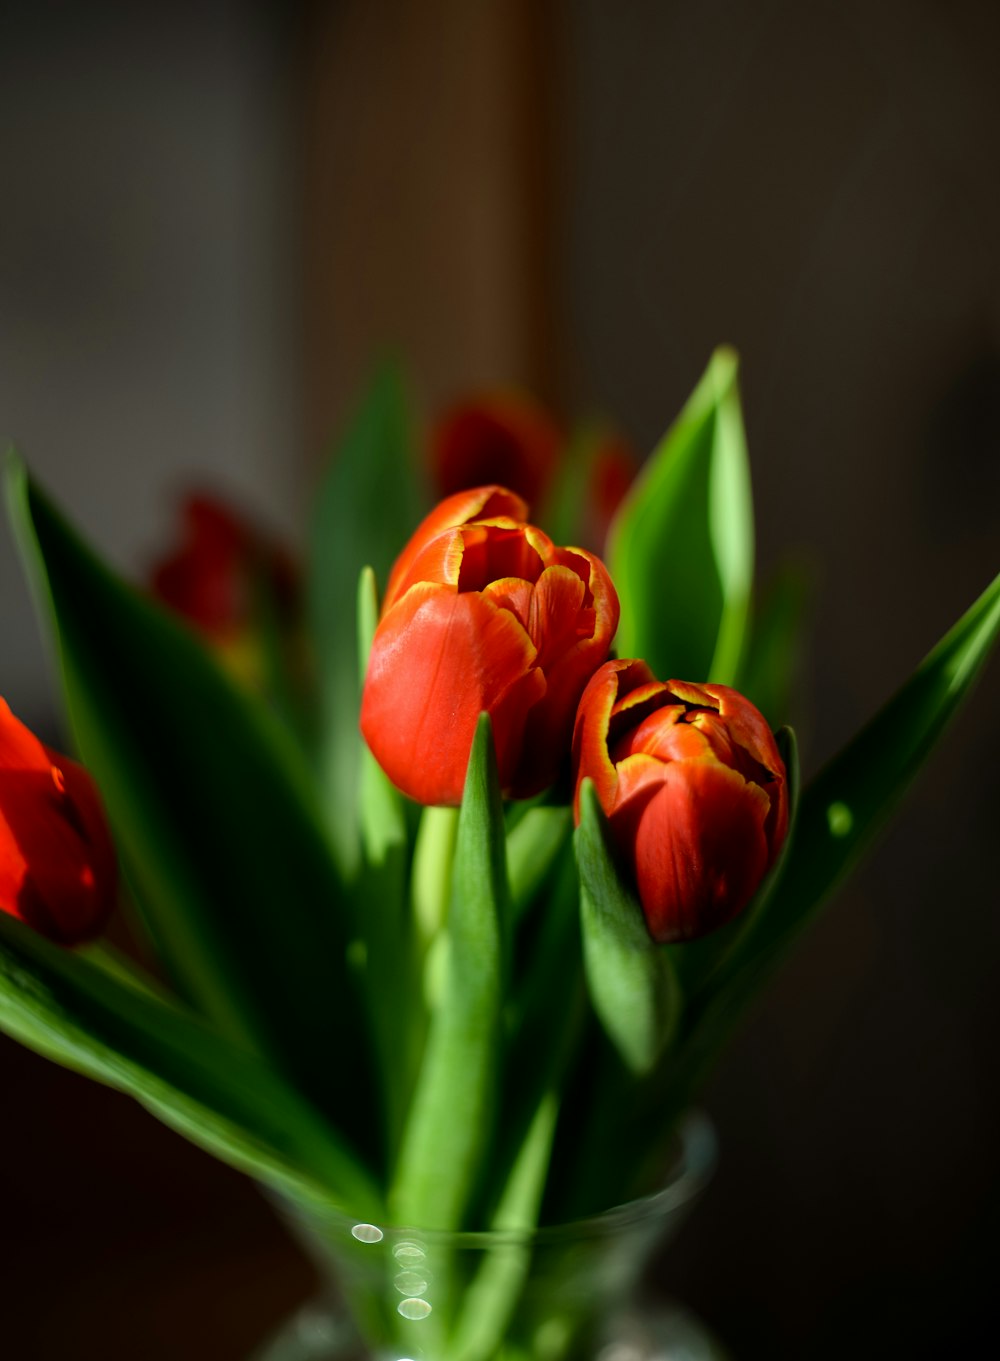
217	217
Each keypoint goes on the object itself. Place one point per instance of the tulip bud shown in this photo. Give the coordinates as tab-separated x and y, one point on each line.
57	863
483	613
694	789
499	435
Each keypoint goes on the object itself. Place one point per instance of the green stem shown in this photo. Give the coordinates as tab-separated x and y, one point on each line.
432	861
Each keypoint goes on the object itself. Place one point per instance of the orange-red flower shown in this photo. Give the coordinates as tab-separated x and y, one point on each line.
483	613
693	786
57	863
495	438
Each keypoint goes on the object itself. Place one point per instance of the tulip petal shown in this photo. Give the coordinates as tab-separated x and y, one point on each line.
663	735
642	694
462	508
636	773
501	549
698	847
721	740
557	616
513	594
638	692
746	724
438	661
692	693
438	560
747	728
573	637
750	730
607	609
590	735
57	863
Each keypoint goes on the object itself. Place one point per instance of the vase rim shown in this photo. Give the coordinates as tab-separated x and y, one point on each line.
688	1175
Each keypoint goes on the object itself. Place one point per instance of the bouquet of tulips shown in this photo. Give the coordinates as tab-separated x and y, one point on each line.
451	868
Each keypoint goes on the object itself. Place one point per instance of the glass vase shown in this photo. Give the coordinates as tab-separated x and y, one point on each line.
561	1293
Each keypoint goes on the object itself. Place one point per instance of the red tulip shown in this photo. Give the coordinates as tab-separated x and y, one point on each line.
210	578
483	613
694	788
613	468
57	863
238	588
501	437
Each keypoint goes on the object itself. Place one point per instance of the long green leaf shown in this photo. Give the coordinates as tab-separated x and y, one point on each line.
380	805
489	1301
700	970
681	546
849	802
546	1016
839	816
214	1092
534	844
774	655
630	978
366	509
449	1125
213	814
383	923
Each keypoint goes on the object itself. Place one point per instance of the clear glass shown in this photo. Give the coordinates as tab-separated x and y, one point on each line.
558	1294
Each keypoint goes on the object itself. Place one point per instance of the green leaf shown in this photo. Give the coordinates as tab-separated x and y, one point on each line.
680	549
534	844
380	804
630	977
839	815
430	879
773	660
110	960
546	1015
449	1124
366	509
383	923
213	814
629	1130
215	1093
848	803
489	1300
564	513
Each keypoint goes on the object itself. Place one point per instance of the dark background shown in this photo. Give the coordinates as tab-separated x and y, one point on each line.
216	216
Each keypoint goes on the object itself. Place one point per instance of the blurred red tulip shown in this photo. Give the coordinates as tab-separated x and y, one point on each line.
57	863
483	613
613	468
499	438
694	789
211	578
